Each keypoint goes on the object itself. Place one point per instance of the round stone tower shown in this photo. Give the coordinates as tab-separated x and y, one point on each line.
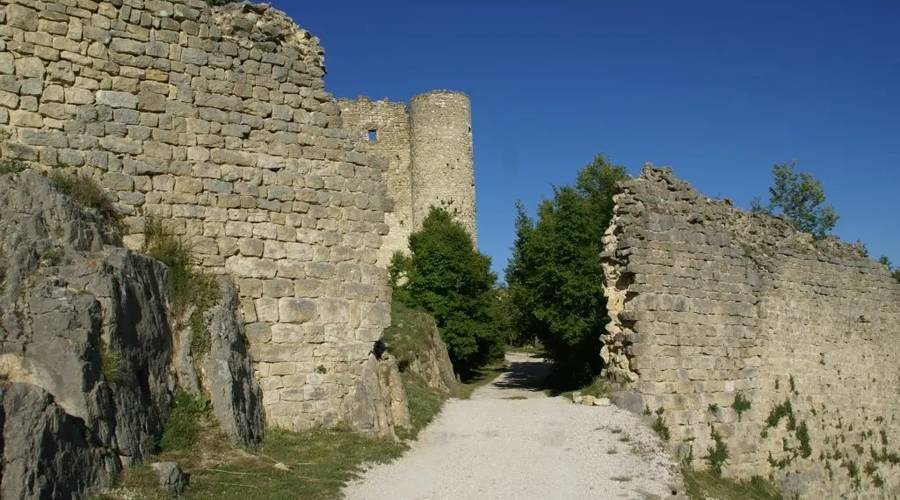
443	174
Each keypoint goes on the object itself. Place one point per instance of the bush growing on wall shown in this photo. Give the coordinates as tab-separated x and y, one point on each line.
554	275
447	277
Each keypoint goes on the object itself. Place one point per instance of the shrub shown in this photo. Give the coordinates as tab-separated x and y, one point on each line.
660	427
445	275
11	167
717	455
185	422
109	363
780	411
803	437
740	404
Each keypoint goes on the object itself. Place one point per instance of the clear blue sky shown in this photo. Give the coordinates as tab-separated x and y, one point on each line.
718	90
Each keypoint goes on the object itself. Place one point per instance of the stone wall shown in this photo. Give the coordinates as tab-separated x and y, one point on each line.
429	148
388	124
732	323
215	120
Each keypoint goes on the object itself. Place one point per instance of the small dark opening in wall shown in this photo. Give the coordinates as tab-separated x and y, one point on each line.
372	135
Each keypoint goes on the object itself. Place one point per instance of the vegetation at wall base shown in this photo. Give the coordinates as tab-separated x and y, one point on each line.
312	465
424	404
190	288
188	416
554	275
446	276
409	333
701	485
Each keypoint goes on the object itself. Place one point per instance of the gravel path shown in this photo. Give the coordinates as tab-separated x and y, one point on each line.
510	441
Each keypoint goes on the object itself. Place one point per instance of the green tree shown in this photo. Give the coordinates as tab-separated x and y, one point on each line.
447	277
800	198
895	271
554	274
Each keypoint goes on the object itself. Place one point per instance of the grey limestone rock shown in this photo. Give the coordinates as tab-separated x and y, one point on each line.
46	453
171	478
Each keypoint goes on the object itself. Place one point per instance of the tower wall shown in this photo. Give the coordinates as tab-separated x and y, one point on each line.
441	154
390	124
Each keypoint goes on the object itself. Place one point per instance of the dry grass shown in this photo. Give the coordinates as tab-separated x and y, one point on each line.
701	485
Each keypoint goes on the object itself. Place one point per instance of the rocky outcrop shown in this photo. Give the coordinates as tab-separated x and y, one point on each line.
86	347
414	339
432	362
224	373
378	403
734	329
85	321
46	453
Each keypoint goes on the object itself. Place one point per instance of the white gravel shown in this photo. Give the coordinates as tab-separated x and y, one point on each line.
499	446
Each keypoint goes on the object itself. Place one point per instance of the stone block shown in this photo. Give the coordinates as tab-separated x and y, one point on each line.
30	67
295	310
117	99
22	17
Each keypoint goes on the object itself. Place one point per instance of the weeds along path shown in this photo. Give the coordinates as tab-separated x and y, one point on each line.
511	441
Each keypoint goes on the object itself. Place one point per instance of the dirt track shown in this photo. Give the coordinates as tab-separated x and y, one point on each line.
511	441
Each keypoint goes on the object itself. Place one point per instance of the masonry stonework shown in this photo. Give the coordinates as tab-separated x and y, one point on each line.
711	306
216	121
428	145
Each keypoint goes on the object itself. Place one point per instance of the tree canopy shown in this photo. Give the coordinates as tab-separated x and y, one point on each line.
445	275
554	275
800	198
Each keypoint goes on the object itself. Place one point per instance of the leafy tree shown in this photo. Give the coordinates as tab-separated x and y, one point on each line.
554	275
447	277
800	198
895	271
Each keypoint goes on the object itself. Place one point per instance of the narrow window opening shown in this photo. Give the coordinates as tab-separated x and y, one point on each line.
372	135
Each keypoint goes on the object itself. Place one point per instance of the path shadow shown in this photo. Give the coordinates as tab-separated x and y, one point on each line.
530	375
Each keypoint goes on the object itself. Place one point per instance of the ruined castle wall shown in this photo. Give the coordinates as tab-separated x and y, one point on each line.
711	305
442	162
428	147
390	124
216	121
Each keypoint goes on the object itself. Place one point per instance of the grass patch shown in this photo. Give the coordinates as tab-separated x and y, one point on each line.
189	287
312	465
424	404
11	167
410	333
87	193
700	485
189	415
109	363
